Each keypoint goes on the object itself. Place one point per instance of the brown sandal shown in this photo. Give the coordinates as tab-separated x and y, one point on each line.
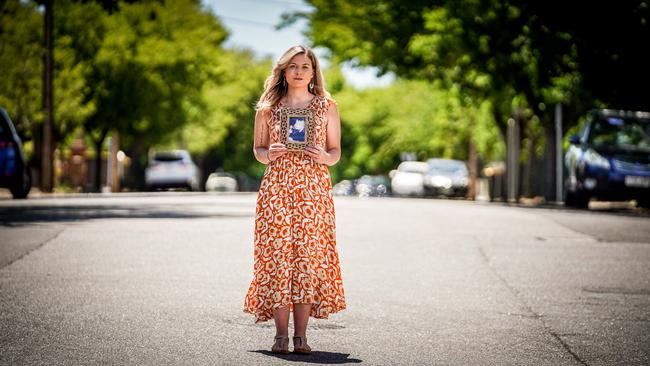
281	345
300	345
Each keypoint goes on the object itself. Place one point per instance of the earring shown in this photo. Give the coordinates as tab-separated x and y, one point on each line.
284	82
311	85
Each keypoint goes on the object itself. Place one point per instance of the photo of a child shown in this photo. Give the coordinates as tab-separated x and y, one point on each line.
296	131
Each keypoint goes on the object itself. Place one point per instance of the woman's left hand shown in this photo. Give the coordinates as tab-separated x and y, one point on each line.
317	153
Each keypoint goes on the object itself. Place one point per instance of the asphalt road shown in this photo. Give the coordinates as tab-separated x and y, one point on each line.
160	280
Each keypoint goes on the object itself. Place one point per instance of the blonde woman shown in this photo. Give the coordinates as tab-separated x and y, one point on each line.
296	262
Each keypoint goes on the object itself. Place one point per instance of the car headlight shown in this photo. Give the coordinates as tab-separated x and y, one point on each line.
440	181
461	182
594	159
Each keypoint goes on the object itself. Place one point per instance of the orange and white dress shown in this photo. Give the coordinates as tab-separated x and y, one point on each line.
296	260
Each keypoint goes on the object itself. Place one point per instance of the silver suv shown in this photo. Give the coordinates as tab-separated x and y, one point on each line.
172	169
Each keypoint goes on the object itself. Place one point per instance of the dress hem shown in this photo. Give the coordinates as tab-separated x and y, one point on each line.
260	317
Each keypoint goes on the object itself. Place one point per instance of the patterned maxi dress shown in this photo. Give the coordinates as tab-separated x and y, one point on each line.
295	244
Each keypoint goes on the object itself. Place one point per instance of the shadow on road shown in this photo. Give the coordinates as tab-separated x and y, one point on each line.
321	357
12	216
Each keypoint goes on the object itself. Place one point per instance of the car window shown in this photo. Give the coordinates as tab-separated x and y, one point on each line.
413	167
447	166
5	132
167	157
620	132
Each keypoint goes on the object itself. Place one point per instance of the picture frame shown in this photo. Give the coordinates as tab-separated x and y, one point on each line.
297	128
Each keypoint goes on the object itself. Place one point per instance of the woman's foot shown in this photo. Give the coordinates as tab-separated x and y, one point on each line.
281	345
300	345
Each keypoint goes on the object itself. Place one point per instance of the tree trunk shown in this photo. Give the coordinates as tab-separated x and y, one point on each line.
97	181
528	173
138	154
549	163
99	143
47	171
473	169
502	124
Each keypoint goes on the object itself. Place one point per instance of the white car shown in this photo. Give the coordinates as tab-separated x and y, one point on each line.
408	179
446	177
172	169
221	182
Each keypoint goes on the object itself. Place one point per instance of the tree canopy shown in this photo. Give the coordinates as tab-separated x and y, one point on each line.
545	51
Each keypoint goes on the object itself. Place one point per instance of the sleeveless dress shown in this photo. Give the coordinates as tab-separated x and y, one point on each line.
296	260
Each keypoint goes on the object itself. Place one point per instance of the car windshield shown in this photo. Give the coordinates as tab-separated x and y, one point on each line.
372	179
447	166
413	167
168	156
621	132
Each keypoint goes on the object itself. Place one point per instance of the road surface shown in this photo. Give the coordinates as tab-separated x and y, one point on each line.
159	279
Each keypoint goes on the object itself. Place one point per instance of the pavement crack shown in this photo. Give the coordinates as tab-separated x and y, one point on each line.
528	308
565	345
39	246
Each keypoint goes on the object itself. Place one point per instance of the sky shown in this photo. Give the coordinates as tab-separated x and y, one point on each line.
251	24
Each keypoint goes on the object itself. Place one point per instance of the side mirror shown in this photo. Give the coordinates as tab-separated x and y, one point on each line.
391	174
574	140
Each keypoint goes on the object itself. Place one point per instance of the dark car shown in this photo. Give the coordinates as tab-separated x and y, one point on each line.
14	172
446	177
609	159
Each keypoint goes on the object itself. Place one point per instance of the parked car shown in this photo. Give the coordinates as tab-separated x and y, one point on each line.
373	186
221	182
609	159
14	172
446	177
345	187
172	169
408	179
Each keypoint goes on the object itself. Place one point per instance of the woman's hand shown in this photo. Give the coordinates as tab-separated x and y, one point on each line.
276	150
318	154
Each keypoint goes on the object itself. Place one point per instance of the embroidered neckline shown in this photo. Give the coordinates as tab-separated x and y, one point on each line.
282	103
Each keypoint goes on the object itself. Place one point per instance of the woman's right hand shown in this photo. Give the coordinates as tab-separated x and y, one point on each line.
276	150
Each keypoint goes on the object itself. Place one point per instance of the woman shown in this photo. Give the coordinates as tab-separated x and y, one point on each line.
296	262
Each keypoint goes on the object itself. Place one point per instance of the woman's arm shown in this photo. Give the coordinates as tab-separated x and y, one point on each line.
261	149
333	135
261	137
332	152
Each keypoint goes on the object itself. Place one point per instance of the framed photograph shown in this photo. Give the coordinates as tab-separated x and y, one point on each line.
297	128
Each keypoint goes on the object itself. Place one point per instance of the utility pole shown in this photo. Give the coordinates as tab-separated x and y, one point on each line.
558	154
47	146
115	171
512	153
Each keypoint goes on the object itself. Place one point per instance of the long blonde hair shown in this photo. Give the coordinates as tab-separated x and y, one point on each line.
275	86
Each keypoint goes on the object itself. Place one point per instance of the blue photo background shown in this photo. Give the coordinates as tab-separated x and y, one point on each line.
296	129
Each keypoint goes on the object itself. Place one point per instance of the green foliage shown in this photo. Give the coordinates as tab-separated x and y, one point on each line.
224	133
154	71
409	116
21	34
151	67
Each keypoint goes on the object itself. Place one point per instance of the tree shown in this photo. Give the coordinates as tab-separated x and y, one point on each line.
148	72
520	56
21	33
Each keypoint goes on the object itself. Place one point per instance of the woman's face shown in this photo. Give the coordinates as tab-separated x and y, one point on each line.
300	71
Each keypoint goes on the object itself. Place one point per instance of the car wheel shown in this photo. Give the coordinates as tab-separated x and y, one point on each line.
643	202
20	190
576	199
